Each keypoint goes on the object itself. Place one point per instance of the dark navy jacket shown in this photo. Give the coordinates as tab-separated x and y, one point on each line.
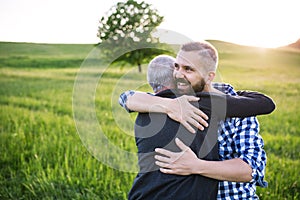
156	130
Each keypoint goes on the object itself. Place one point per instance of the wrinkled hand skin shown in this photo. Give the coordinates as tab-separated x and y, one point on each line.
183	111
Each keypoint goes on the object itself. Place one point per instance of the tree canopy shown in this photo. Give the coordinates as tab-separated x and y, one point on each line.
127	27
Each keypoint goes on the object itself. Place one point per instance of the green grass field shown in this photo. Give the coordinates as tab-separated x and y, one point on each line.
43	157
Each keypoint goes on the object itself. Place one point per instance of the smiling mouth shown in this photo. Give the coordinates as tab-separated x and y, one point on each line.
182	83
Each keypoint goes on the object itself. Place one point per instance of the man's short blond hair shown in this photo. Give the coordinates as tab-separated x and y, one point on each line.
207	52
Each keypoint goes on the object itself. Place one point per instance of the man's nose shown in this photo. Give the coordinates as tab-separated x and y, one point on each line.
178	73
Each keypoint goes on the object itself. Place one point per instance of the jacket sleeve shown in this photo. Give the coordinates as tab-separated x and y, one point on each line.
248	104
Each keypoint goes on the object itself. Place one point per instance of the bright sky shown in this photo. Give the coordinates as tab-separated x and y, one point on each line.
264	23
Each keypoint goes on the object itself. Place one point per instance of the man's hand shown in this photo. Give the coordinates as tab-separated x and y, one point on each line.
182	111
181	163
178	109
186	163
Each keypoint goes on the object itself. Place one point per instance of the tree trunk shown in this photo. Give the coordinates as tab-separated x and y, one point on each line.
140	68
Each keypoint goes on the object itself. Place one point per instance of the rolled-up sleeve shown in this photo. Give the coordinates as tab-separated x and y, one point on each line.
124	97
249	146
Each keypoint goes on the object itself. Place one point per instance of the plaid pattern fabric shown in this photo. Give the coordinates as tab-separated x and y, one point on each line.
239	138
123	98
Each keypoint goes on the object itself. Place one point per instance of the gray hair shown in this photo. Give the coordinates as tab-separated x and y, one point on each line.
206	51
160	72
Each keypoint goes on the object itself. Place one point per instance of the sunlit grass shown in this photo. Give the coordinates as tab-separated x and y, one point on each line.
42	156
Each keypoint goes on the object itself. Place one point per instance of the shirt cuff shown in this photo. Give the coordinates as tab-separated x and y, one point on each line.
124	97
256	177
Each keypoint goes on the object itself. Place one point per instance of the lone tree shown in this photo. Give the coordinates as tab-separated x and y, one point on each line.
128	25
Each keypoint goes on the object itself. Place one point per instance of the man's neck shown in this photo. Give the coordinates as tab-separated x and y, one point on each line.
162	88
210	88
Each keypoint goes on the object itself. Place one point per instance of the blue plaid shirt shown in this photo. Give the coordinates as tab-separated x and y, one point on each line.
123	99
238	138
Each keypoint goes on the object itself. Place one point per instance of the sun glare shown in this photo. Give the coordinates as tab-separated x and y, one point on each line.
266	23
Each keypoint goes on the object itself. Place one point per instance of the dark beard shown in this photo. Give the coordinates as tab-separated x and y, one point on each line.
200	86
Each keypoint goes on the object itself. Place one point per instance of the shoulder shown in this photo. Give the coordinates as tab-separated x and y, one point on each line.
225	87
168	93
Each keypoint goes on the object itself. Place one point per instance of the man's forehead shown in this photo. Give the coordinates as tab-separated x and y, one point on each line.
190	58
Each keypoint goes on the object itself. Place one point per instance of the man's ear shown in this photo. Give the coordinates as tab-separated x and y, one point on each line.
210	77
